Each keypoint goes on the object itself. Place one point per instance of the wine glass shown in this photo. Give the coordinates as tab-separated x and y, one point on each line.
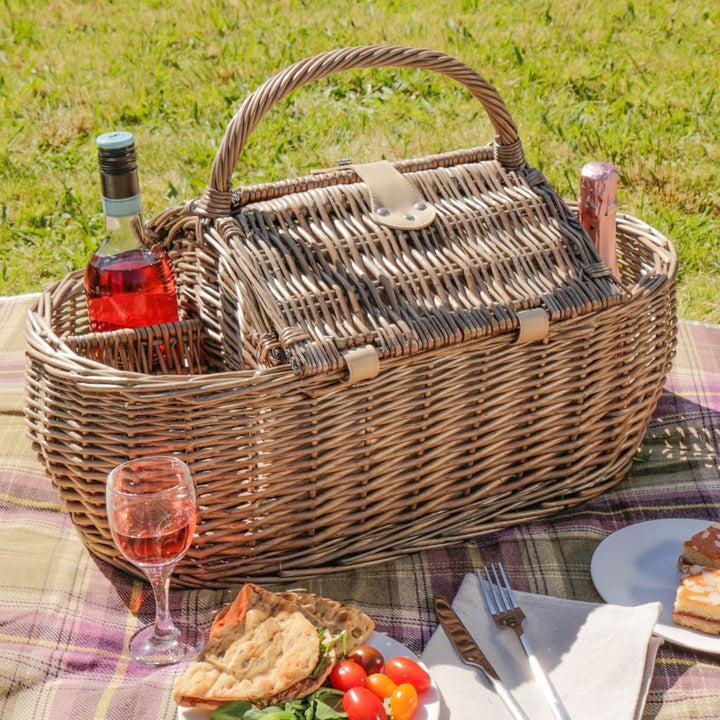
152	513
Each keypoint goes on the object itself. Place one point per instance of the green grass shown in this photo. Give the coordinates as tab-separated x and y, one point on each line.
631	82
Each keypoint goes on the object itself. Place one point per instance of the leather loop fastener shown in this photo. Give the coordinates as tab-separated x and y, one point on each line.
534	325
395	201
362	362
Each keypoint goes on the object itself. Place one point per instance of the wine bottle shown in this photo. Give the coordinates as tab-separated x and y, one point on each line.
598	207
128	283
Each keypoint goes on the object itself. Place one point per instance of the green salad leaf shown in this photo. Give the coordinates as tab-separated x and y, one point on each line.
323	704
327	705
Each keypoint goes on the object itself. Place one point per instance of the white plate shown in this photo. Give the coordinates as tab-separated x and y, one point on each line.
638	564
428	707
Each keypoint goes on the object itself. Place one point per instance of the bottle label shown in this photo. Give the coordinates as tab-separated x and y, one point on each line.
121	207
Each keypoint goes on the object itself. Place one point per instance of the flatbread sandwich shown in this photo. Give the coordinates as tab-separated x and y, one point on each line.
268	648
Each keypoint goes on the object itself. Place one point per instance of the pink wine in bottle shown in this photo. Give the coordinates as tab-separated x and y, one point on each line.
128	283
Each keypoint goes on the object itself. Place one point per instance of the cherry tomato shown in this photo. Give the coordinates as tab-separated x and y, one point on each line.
360	704
380	685
406	670
403	702
346	675
367	656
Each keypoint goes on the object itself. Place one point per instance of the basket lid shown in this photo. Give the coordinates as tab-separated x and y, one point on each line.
447	249
316	271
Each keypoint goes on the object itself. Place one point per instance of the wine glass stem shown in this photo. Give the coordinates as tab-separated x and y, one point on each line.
159	578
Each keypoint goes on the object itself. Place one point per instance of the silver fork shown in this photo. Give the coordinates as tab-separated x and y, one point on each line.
505	610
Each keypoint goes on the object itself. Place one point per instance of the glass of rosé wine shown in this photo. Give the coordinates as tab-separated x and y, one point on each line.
152	512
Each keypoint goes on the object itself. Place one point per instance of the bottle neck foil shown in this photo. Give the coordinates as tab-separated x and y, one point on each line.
119	178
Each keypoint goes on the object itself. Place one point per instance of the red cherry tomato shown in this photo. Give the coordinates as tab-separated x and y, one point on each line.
380	685
403	702
346	675
406	670
371	659
360	704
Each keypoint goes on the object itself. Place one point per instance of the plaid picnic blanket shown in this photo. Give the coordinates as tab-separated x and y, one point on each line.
65	617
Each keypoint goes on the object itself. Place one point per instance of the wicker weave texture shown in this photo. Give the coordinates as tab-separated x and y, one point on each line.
308	273
316	269
463	431
297	477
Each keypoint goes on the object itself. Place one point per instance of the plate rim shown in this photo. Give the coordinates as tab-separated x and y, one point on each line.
433	707
672	633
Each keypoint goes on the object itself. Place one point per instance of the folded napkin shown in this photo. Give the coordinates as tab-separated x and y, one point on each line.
600	658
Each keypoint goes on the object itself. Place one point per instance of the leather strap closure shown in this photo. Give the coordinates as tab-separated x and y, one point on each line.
395	201
534	325
363	363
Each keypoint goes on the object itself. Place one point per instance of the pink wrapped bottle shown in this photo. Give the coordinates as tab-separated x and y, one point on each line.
598	207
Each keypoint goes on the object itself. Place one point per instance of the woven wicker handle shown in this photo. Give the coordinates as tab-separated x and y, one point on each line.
217	198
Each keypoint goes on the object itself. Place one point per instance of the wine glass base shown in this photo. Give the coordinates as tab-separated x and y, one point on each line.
147	649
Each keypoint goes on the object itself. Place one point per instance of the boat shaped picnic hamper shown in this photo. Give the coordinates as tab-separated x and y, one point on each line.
373	359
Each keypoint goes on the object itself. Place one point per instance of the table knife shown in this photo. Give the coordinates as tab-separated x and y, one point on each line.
471	654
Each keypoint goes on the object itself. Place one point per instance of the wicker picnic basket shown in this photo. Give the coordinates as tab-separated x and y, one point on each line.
373	359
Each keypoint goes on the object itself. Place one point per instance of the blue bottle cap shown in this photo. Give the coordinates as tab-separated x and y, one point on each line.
114	140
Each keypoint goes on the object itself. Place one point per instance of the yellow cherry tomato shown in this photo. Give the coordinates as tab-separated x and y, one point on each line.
403	701
380	685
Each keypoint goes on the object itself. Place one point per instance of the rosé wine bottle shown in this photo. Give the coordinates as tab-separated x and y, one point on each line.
128	283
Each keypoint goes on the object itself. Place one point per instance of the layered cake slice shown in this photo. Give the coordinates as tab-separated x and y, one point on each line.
703	548
697	601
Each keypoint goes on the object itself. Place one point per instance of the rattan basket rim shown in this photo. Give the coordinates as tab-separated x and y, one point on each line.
54	351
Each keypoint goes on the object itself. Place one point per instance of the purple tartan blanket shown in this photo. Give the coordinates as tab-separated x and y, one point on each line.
65	618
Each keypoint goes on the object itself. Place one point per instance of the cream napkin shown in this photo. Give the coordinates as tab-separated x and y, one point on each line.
600	658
